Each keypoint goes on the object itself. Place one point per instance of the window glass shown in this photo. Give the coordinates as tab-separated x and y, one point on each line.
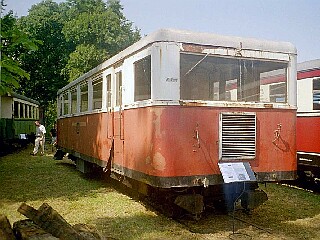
209	78
109	95
21	110
16	109
277	92
84	97
65	103
118	88
316	94
30	112
26	109
97	94
74	100
142	79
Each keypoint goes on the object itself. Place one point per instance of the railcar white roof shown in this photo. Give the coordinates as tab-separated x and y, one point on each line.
199	38
309	65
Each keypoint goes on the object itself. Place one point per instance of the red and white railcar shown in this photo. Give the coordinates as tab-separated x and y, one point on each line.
308	120
165	111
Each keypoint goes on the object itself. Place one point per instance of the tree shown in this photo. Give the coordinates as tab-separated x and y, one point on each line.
99	32
44	22
77	35
14	45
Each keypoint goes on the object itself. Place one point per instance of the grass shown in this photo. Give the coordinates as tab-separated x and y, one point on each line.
288	214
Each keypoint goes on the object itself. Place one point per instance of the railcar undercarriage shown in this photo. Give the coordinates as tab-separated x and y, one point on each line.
177	201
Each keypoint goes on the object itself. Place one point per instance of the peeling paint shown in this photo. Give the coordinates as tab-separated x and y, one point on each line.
148	160
156	121
159	162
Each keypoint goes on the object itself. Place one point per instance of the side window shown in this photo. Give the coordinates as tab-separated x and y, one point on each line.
97	94
84	97
26	107
16	109
21	110
316	94
30	112
74	100
65	103
119	88
142	79
109	95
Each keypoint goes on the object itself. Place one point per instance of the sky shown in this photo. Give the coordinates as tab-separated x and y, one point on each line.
295	21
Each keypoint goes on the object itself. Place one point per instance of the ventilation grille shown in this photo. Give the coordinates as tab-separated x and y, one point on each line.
237	136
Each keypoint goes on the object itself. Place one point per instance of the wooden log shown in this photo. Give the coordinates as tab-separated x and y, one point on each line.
6	232
28	211
51	221
28	230
87	232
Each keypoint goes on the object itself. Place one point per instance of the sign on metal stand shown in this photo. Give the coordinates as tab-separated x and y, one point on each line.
234	172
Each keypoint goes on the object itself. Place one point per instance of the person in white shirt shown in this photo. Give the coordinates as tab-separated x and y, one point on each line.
40	138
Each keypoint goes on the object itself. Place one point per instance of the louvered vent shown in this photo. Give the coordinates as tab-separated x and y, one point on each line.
237	136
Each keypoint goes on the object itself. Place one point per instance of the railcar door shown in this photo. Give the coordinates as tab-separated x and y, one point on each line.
118	132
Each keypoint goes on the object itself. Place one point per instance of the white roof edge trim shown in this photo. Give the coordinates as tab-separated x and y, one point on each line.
309	65
189	37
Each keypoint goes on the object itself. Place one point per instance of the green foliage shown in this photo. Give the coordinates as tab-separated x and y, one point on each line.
45	22
82	59
76	36
51	114
14	45
99	28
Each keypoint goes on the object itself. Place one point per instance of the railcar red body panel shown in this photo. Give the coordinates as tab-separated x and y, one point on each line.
88	135
160	141
308	132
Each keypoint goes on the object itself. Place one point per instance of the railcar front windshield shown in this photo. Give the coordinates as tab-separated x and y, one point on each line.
215	78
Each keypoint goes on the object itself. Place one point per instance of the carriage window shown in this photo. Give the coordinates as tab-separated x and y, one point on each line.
74	100
30	112
109	90
316	94
65	103
60	109
84	97
119	88
142	79
26	107
16	109
209	78
21	110
97	94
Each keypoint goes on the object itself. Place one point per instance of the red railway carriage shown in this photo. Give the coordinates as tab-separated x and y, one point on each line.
308	120
164	112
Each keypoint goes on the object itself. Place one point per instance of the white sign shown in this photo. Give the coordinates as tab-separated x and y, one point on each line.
236	172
